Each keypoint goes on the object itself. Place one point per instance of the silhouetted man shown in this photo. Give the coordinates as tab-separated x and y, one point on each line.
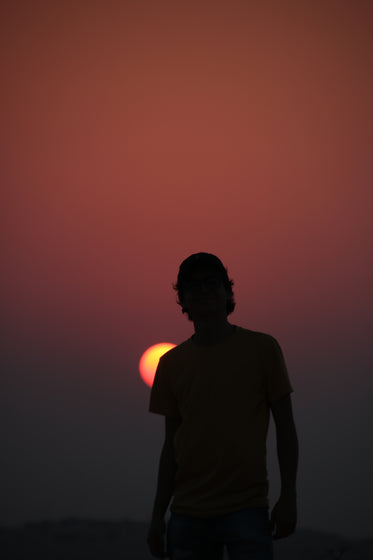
216	391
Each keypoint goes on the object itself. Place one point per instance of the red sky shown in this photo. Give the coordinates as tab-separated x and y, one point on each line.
136	133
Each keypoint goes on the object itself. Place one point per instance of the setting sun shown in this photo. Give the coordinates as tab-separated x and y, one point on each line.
149	360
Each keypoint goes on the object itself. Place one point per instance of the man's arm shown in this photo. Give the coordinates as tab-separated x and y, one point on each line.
165	488
284	514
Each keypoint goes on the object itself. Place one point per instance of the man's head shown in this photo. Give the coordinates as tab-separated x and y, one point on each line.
202	285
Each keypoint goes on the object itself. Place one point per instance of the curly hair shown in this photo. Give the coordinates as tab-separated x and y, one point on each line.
187	269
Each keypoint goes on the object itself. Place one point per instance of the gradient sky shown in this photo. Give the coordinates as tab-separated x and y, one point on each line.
134	134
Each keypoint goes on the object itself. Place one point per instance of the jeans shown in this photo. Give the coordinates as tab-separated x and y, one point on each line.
246	534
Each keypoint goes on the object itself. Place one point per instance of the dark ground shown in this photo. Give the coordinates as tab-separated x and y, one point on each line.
78	539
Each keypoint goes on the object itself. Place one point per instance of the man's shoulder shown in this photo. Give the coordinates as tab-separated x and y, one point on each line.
177	351
254	336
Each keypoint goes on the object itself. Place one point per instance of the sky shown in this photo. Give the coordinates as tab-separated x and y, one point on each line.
134	134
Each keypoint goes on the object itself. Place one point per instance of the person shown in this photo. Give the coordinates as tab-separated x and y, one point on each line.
216	391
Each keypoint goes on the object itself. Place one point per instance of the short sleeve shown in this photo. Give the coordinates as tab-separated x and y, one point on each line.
162	398
277	378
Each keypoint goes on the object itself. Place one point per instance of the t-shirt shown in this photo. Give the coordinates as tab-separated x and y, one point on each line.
222	394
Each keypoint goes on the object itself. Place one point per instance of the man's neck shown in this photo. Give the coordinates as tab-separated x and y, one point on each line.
209	333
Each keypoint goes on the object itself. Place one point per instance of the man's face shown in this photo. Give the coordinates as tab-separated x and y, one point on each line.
205	296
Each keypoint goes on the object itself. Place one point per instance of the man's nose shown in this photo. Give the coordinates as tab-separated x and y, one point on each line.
204	287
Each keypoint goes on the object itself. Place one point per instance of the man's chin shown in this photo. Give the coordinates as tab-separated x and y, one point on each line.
206	316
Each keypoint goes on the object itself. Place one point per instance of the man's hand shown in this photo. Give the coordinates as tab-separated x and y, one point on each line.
284	516
156	538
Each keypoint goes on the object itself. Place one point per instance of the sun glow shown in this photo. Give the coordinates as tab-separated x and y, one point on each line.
149	361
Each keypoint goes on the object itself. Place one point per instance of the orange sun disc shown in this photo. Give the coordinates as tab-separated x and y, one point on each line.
149	360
